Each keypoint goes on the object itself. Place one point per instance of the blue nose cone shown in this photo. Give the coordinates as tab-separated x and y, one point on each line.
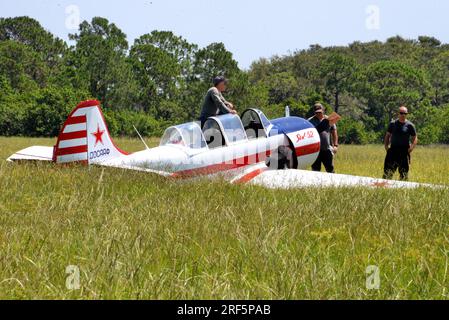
289	125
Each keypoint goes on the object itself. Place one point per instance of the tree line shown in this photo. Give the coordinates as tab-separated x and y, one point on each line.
161	80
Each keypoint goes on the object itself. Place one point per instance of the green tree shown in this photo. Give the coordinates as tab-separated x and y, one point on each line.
212	61
49	109
444	121
22	66
158	72
100	56
209	62
338	70
177	47
281	86
11	109
388	84
29	32
439	78
429	42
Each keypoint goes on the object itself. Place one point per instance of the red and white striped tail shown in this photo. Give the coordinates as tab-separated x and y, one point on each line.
85	137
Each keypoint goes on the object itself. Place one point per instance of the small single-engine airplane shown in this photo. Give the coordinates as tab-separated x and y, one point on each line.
250	149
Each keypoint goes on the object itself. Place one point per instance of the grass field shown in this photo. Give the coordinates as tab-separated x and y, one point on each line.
135	235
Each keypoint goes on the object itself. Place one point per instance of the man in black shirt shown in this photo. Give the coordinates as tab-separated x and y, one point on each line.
326	131
398	146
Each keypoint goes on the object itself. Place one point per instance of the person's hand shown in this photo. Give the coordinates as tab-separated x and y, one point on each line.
335	148
231	106
386	148
233	112
410	150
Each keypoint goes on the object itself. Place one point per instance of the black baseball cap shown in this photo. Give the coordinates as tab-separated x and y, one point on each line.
220	79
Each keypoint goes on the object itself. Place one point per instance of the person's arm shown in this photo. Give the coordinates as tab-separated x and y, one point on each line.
334	135
387	140
221	105
414	136
414	143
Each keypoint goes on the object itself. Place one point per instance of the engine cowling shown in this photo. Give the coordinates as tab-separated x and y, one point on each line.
303	138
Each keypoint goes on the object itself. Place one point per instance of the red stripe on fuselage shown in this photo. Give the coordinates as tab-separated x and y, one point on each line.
71	150
242	162
307	149
224	166
73	135
249	176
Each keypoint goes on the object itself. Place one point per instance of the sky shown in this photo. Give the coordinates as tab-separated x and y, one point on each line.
250	29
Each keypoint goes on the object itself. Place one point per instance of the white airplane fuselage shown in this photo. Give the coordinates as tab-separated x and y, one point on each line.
186	162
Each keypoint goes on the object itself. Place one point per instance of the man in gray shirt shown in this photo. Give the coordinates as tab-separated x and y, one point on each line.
214	102
327	150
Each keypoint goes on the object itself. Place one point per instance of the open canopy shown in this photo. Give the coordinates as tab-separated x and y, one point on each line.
219	131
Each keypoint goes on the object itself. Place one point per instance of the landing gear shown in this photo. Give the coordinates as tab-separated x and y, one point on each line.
283	158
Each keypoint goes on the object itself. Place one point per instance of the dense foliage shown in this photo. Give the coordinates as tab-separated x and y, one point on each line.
365	83
161	79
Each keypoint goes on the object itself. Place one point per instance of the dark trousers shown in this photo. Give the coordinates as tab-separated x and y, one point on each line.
203	121
326	157
397	158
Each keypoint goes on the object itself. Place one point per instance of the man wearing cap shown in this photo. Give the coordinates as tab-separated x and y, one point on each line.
326	131
214	102
397	144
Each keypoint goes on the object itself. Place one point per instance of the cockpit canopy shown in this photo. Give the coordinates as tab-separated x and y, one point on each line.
188	135
219	131
224	130
255	123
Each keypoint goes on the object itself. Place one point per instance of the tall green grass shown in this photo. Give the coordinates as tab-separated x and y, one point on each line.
136	235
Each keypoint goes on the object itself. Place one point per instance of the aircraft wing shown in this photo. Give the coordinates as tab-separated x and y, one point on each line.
289	179
133	167
260	174
45	154
36	153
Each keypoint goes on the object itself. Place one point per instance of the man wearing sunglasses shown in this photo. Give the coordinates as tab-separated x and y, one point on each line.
326	131
400	140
